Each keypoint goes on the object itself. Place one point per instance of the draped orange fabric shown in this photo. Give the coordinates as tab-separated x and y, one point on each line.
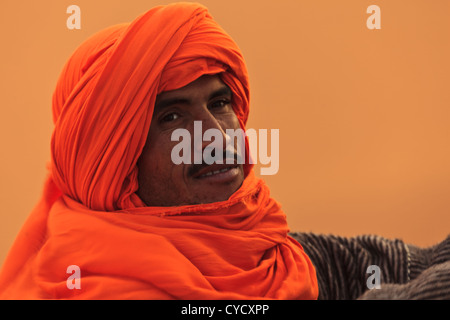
89	214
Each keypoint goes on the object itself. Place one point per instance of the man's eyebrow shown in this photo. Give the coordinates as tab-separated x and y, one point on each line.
164	103
223	91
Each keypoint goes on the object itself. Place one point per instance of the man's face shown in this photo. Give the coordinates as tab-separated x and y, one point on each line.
163	183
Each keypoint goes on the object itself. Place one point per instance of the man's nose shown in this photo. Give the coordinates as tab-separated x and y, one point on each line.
212	132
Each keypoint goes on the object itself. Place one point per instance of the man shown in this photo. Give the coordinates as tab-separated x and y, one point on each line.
135	225
208	100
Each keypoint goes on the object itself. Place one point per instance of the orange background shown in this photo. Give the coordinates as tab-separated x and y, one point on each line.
363	114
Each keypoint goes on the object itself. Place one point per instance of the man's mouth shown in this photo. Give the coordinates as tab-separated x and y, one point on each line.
228	169
215	172
201	171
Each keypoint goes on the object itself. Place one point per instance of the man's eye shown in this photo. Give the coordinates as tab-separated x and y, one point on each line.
220	103
170	117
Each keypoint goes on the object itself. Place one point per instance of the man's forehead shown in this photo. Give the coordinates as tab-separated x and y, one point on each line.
205	87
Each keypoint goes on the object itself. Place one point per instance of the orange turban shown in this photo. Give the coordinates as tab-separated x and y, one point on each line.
90	216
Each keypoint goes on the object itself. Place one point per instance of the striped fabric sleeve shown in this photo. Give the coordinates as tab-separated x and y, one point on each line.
423	258
342	263
405	271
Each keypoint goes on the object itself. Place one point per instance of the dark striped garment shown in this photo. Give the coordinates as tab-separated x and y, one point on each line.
406	271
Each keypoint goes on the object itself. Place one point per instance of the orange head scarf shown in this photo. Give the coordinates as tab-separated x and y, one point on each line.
90	215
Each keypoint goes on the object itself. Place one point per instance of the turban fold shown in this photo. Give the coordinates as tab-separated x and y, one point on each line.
90	215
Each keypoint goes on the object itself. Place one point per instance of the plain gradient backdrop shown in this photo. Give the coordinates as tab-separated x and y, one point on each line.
363	114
